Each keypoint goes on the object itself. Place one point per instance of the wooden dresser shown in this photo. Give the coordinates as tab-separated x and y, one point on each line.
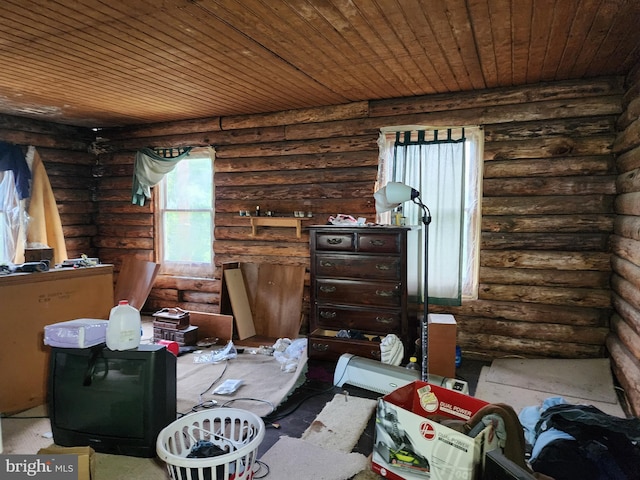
358	285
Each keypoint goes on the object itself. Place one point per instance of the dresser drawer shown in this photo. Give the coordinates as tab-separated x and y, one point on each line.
321	345
335	241
379	242
382	294
359	266
374	320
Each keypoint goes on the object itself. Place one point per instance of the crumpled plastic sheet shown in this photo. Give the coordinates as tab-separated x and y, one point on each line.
217	356
288	352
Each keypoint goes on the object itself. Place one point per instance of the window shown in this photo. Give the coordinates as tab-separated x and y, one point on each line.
185	217
445	166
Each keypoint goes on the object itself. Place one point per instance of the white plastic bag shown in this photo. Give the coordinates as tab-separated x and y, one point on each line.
288	353
347	220
216	356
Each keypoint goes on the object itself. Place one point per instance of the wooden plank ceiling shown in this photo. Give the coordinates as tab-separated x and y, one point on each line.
102	63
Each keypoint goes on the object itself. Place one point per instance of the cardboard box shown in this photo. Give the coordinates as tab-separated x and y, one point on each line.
442	344
412	442
86	458
39	254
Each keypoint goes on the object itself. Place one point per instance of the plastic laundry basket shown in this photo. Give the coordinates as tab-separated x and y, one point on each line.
237	432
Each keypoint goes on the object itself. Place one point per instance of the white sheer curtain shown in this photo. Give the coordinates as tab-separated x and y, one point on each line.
435	163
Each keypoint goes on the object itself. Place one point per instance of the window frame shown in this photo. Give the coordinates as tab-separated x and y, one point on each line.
186	269
470	248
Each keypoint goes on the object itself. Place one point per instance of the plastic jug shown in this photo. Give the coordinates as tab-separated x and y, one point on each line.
124	328
413	364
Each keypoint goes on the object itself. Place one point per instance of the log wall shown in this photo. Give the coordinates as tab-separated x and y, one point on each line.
624	340
65	153
547	207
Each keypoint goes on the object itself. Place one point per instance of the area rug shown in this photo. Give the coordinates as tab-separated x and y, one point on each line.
264	383
339	425
523	383
324	451
294	458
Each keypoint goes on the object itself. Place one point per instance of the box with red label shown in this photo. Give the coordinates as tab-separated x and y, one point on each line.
420	434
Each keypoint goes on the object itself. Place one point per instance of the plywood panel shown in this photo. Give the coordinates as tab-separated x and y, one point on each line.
275	296
212	325
240	303
135	281
278	302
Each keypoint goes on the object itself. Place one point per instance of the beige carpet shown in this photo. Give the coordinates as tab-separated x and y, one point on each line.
294	458
262	378
324	451
344	412
523	383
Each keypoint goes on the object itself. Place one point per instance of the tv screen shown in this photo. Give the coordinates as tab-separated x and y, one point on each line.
113	401
498	467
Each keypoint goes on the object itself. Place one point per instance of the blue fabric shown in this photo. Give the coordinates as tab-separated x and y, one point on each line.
12	158
529	417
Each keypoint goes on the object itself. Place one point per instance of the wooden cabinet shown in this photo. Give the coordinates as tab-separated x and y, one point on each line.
358	286
29	302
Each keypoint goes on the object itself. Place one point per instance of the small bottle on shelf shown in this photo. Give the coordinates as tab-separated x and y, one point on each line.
258	211
413	364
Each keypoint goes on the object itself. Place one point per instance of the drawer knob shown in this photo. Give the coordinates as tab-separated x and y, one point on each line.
385	293
385	320
328	314
320	347
377	242
383	266
326	289
325	263
334	241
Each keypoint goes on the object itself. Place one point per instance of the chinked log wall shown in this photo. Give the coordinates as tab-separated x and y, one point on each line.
547	207
64	151
624	339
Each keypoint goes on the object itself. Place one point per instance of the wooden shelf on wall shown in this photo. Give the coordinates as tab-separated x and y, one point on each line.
276	222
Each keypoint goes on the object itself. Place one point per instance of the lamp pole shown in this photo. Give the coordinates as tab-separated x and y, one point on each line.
424	327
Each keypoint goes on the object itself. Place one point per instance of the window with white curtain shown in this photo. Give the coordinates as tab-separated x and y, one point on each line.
445	166
185	216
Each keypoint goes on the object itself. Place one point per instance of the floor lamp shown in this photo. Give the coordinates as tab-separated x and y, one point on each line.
387	198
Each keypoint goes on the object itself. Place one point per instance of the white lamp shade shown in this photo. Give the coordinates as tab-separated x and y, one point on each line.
392	195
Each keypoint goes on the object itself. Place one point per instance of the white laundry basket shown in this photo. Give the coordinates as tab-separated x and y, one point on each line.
237	432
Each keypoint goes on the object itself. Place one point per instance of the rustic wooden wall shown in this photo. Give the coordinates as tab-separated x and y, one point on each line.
624	339
65	153
548	202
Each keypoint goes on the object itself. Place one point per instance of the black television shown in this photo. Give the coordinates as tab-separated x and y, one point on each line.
113	401
498	467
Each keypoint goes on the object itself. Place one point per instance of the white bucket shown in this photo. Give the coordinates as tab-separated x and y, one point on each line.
124	328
